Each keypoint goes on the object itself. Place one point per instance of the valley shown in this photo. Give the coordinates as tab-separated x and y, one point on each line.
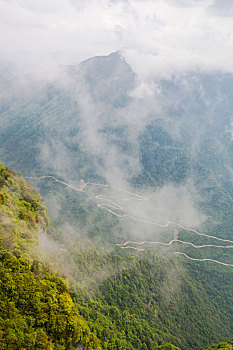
144	239
105	200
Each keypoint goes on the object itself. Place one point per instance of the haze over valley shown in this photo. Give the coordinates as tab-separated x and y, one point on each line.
118	116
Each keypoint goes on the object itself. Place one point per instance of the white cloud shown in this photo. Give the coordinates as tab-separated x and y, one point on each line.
222	8
177	39
159	37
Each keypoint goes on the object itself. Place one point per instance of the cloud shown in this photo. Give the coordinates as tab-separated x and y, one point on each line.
165	39
160	37
222	8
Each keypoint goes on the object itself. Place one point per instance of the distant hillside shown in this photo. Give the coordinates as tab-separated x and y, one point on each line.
94	122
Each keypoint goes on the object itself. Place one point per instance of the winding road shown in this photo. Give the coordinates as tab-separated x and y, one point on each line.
110	206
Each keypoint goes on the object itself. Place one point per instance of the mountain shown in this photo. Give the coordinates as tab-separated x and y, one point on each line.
150	301
96	122
122	160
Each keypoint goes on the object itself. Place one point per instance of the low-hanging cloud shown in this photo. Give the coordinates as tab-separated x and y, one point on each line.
158	37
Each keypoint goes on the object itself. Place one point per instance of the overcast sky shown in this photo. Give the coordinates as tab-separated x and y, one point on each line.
156	36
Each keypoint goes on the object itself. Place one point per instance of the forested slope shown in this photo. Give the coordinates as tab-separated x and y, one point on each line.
36	310
126	301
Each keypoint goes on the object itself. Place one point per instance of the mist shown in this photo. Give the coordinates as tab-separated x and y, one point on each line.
119	112
148	112
94	119
159	38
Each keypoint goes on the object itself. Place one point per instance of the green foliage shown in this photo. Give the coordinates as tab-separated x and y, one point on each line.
227	345
3	197
37	312
146	299
181	299
166	347
161	158
22	211
128	302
